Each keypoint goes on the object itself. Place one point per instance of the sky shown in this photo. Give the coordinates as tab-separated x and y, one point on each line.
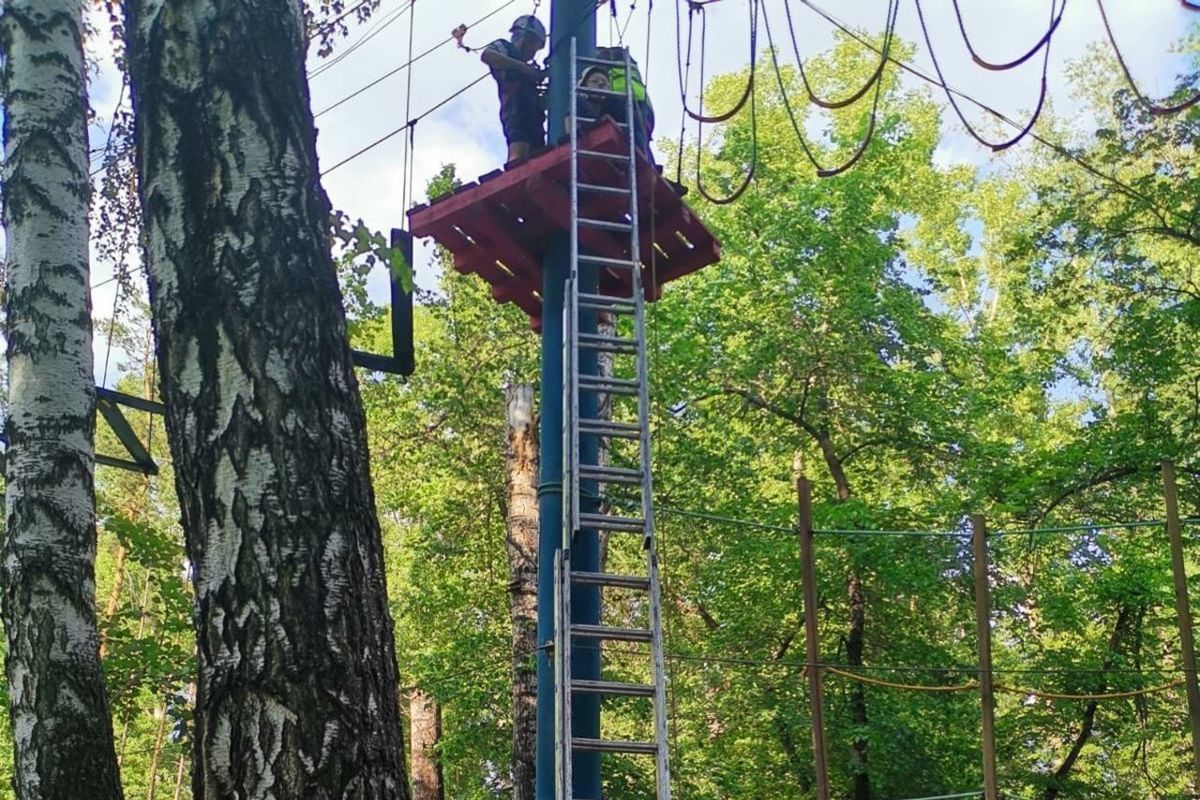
466	131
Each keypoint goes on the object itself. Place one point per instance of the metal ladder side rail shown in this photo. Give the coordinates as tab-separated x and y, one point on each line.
565	740
658	666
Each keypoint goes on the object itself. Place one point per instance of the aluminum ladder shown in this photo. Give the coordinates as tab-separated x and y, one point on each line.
627	505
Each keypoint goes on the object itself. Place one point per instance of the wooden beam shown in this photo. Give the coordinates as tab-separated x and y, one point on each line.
812	647
983	635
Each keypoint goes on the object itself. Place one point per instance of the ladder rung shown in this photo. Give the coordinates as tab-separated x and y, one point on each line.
602	154
609	522
598	383
603	427
608	262
595	187
597	119
610	474
608	632
613	746
609	344
611	579
599	61
605	92
605	225
604	302
613	688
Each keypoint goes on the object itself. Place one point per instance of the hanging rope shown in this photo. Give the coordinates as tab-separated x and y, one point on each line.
995	146
889	23
876	81
1151	106
1000	67
700	119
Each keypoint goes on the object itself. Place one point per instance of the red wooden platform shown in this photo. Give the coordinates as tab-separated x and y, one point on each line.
498	226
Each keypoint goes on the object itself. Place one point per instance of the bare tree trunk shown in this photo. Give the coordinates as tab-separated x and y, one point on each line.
522	543
180	771
297	693
425	717
62	731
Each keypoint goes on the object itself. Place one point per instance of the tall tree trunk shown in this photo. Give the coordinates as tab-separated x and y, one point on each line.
425	717
297	694
62	732
522	543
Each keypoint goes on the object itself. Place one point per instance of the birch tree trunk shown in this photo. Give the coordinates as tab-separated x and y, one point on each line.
522	543
62	731
297	692
425	716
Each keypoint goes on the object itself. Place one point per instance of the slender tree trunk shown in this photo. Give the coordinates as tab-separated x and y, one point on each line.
425	717
180	771
522	543
62	732
297	694
114	597
156	755
858	699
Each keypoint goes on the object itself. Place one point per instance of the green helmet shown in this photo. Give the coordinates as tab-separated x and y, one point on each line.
528	24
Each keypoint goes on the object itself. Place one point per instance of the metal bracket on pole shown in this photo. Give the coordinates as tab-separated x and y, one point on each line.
401	361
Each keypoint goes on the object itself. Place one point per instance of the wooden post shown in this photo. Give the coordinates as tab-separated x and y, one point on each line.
1183	610
811	642
983	633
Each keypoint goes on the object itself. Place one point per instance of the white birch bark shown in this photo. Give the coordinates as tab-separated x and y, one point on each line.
61	726
297	692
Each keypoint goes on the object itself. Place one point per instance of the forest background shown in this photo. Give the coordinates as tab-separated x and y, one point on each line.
935	337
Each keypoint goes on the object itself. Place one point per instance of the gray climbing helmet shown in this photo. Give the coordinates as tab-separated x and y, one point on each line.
529	24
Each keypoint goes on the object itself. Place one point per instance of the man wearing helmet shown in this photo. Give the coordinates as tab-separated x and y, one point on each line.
522	113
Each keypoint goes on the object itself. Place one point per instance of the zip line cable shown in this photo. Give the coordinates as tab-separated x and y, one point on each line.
408	65
412	122
1151	106
1037	111
409	142
1001	67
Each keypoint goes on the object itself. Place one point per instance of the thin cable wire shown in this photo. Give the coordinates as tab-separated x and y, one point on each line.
1037	111
409	143
112	325
410	63
998	66
377	28
406	125
1151	106
730	520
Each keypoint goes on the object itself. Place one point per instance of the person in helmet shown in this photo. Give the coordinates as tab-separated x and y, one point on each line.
522	112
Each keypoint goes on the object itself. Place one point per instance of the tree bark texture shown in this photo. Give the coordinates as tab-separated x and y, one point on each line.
522	542
425	719
297	692
62	731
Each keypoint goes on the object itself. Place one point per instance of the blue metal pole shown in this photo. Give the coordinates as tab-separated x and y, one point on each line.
568	18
